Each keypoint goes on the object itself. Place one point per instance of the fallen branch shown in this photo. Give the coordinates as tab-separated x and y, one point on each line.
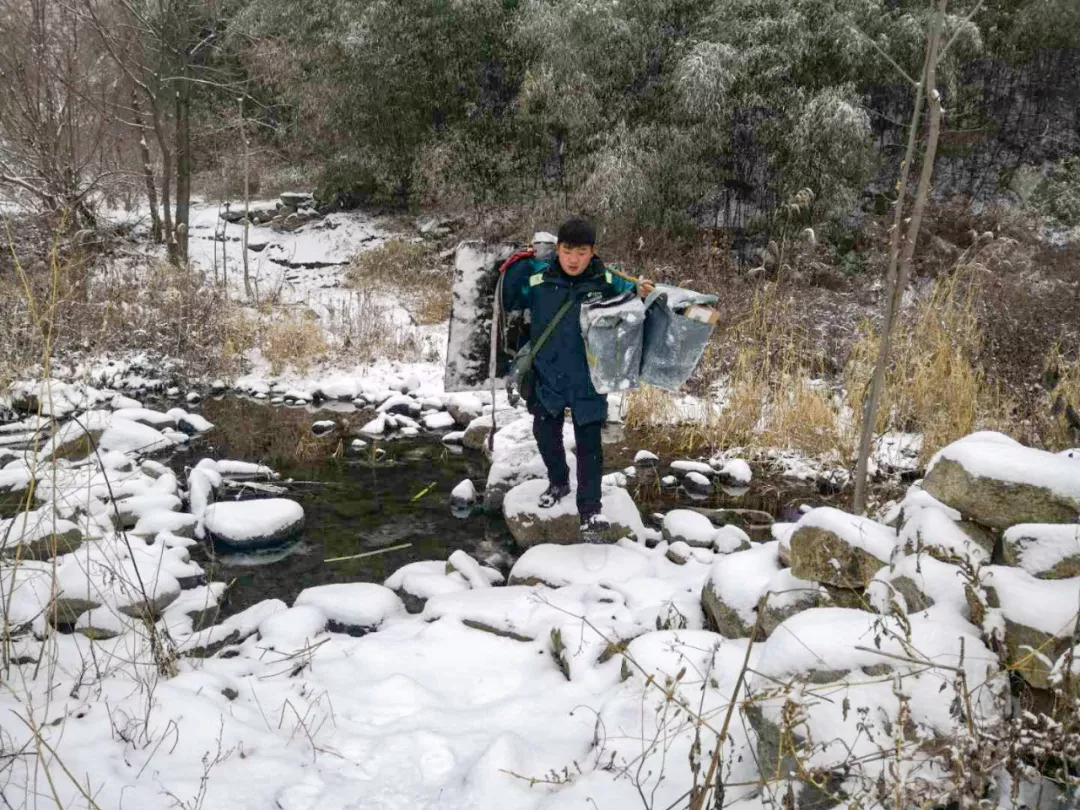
369	553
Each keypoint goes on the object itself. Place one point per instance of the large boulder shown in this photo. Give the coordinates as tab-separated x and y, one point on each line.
824	692
731	595
253	525
1044	550
999	483
1039	619
558	566
530	524
833	547
355	608
38	535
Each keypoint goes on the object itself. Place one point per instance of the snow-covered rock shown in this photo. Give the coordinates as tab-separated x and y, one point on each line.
478	576
464	408
530	524
376	427
440	420
145	416
646	459
355	608
1036	617
684	466
38	534
253	525
180	524
735	473
525	613
680	553
191	423
129	510
737	583
687	526
323	427
229	468
478	430
342	389
417	582
918	583
933	531
831	658
400	404
584	564
131	437
293	629
203	484
696	484
729	539
831	546
1044	550
463	495
999	483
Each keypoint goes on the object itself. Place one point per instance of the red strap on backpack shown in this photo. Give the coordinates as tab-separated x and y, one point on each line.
528	253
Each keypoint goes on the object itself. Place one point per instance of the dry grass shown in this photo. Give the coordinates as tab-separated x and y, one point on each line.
290	340
405	269
935	384
770	377
772	382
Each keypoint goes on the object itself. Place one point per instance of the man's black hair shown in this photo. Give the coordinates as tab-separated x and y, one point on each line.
577	231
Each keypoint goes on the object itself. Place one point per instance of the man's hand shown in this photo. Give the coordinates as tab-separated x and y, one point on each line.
644	287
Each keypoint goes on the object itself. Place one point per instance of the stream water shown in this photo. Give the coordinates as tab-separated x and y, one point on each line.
395	492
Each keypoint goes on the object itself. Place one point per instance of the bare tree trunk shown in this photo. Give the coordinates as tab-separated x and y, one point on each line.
900	263
247	200
166	188
183	166
156	232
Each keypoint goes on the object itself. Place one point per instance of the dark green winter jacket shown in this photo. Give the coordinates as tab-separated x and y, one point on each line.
562	372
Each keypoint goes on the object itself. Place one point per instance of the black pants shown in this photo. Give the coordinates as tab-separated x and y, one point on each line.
548	431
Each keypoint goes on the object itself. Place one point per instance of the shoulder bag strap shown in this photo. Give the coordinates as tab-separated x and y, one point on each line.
550	327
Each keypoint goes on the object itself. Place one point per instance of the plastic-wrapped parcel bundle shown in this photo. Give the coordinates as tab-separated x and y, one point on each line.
613	331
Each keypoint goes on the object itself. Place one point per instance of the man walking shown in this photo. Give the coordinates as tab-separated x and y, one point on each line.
573	274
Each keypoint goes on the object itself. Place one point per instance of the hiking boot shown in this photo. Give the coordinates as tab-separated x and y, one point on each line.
552	495
594	525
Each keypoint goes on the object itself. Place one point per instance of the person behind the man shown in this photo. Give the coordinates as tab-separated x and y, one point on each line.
562	378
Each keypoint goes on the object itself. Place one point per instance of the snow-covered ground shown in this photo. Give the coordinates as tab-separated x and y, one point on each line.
589	676
581	679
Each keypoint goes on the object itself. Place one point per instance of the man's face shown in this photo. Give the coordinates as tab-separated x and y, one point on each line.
574	258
